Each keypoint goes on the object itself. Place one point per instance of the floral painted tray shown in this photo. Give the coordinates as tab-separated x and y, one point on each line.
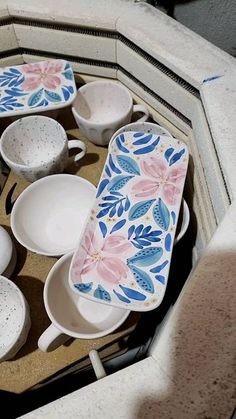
41	86
125	253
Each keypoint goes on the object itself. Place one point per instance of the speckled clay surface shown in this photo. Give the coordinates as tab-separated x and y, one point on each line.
37	146
14	319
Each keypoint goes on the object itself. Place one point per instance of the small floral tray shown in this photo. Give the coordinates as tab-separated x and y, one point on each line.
36	87
124	256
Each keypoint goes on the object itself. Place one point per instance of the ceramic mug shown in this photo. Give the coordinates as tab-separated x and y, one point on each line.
37	146
72	315
15	319
101	107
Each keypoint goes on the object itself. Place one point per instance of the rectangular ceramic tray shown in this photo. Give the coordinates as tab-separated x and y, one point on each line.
125	253
42	86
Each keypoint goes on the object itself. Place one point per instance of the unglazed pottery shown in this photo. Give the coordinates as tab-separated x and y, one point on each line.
49	215
33	88
73	315
125	253
8	255
14	319
101	107
36	146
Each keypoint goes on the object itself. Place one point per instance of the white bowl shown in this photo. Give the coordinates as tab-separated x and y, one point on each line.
50	214
14	319
8	255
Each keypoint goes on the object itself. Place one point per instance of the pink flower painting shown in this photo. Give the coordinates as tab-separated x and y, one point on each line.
46	73
104	258
162	180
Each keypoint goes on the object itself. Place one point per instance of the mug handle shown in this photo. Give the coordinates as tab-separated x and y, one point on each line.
185	222
76	144
141	108
51	339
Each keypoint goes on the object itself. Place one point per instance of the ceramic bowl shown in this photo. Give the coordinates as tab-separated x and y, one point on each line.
8	255
49	215
14	319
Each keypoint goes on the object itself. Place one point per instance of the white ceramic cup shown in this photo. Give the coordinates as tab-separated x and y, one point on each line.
72	315
15	320
37	146
101	107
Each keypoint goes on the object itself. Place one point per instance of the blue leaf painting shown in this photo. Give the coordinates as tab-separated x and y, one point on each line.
84	287
173	216
143	140
68	75
107	170
138	134
16	82
161	215
118	226
121	297
103	228
66	94
113	167
120	146
146	257
120	209
70	88
67	66
102	294
168	153
118	182
14	91
160	278
35	98
134	295
52	96
159	268
130	231
136	244
127	204
140	209
147	149
139	229
142	279
15	71
103	212
101	187
128	164
109	198
176	156
168	242
116	193
115	205
43	102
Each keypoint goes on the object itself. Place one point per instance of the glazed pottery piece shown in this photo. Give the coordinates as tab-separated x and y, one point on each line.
124	256
73	315
37	146
32	88
8	255
49	215
101	107
15	320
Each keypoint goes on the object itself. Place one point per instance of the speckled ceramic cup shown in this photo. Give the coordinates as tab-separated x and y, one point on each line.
15	320
37	146
103	106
